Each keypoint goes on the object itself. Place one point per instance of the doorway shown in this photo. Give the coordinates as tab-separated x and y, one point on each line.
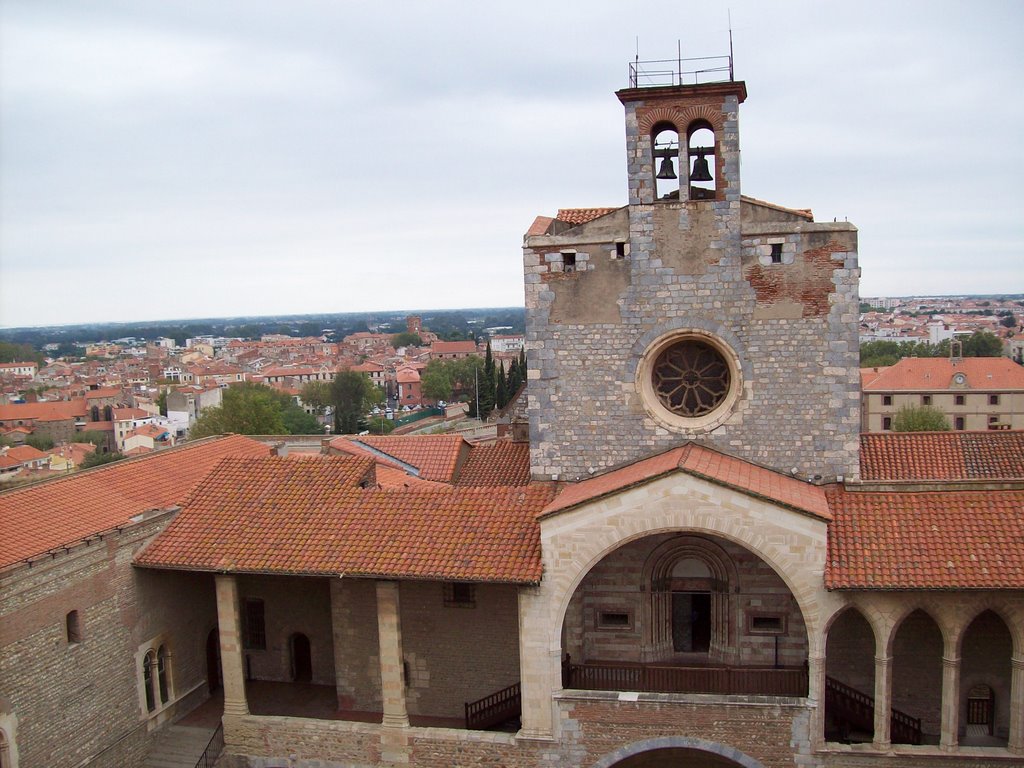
302	660
213	670
691	622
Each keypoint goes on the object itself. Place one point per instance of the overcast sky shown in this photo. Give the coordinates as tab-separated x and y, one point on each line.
213	158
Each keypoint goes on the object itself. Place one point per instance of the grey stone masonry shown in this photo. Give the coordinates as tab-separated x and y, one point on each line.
775	291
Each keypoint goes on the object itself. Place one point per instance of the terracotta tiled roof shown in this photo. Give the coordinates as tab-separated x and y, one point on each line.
453	347
918	456
933	540
577	216
103	392
26	453
540	226
310	517
917	374
57	410
435	456
500	463
706	463
125	414
38	518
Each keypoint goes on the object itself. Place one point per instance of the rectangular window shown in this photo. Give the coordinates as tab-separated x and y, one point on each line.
255	629
886	399
959	423
887	423
993	399
776	253
621	250
568	261
926	399
460	594
72	627
766	624
958	399
614	620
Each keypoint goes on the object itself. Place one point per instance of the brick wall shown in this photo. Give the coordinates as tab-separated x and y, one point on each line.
917	671
457	654
291	605
76	701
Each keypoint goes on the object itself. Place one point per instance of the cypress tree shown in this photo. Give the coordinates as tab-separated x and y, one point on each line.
501	393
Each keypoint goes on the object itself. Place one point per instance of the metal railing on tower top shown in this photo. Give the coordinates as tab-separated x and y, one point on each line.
679	71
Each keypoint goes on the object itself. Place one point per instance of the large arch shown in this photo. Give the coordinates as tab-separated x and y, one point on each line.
714	755
986	679
797	556
684	612
850	647
918	645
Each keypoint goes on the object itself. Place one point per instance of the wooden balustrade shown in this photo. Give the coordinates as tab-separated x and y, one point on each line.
494	709
663	678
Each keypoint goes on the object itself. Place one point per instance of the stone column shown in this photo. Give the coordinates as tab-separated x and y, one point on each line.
1016	743
540	667
883	701
392	677
950	702
816	693
232	660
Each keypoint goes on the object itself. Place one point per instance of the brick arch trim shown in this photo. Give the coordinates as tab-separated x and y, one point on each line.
678	742
682	118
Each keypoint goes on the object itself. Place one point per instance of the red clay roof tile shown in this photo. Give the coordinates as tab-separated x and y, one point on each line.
706	463
929	540
99	499
928	374
921	456
501	463
310	517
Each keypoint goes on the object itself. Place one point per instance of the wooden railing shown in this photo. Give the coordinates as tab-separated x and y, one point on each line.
494	709
857	709
672	679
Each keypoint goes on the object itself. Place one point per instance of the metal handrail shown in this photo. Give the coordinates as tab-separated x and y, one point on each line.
662	72
205	760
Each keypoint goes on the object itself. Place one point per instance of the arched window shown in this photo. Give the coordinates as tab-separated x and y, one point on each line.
148	663
72	628
5	750
665	153
702	165
94	413
161	666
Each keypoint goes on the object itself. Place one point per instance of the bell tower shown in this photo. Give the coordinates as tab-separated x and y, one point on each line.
693	312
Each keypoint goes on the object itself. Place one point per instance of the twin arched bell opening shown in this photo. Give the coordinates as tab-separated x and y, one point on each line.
667	170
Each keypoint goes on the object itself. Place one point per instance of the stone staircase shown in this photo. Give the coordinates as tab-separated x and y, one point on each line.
178	746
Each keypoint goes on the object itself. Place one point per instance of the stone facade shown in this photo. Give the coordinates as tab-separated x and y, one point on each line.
778	293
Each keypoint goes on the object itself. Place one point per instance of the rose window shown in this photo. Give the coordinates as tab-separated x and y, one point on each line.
690	378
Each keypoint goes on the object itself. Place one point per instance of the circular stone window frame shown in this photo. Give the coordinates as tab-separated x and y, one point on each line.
674	421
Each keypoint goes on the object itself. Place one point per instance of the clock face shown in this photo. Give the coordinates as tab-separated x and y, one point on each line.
959	378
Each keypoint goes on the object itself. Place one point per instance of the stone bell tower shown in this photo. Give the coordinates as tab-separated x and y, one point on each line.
693	312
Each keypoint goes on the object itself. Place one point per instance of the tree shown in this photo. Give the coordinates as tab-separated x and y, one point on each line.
406	339
94	436
923	418
352	395
246	409
437	380
316	395
298	422
501	392
19	353
97	458
983	344
39	442
488	384
161	402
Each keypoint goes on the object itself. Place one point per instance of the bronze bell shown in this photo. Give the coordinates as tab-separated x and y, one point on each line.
667	169
700	171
